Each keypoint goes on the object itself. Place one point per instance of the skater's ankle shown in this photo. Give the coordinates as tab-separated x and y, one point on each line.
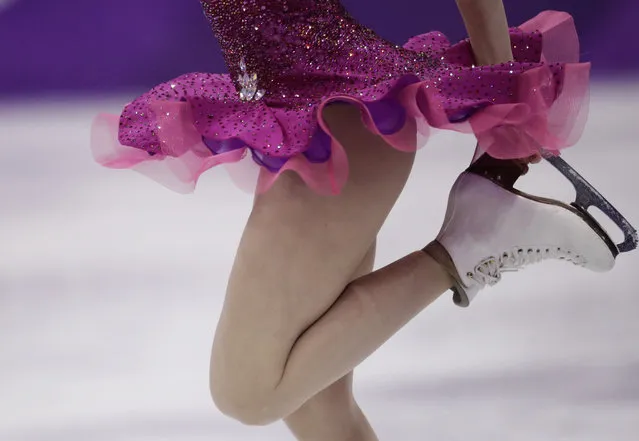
444	268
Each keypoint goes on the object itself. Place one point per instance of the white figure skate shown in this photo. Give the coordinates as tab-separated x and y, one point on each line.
491	228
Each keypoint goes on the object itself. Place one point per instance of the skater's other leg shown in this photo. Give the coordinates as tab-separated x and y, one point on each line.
333	414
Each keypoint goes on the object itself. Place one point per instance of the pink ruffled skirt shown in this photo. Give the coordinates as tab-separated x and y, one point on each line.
185	126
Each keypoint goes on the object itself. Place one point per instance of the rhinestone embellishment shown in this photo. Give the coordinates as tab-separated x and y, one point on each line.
248	84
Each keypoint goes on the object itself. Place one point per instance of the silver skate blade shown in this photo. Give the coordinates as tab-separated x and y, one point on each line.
588	196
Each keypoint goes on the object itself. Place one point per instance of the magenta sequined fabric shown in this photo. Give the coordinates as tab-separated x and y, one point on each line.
289	58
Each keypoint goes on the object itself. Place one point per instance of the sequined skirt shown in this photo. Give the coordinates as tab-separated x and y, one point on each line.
285	66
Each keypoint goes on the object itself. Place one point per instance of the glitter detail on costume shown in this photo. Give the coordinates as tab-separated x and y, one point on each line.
288	59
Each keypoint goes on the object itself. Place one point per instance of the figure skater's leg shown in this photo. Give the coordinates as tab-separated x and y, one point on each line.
292	324
333	414
289	328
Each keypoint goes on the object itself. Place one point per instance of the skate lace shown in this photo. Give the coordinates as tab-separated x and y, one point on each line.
489	270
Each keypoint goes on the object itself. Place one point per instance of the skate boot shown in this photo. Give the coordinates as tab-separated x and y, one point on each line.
491	228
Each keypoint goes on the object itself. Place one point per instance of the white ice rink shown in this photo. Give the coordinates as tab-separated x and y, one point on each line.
110	287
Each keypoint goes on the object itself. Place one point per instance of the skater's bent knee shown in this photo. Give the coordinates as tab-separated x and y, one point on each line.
245	405
243	408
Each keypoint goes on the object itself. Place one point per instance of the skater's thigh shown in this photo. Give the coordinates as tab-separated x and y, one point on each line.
299	250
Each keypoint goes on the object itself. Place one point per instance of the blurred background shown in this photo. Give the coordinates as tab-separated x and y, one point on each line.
102	47
111	286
